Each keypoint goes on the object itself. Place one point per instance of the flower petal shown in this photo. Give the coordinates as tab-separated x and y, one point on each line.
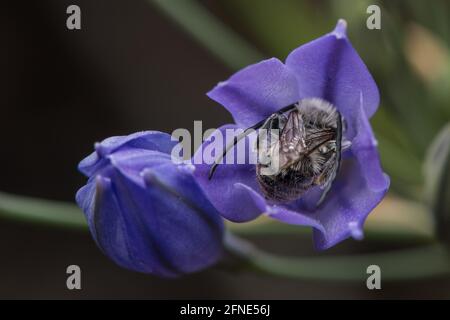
343	214
278	212
257	91
148	140
190	231
149	227
331	69
360	185
85	198
224	189
358	189
148	214
282	213
364	149
179	181
113	229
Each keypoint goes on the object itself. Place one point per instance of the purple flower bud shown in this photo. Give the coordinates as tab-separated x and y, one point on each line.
328	69
145	212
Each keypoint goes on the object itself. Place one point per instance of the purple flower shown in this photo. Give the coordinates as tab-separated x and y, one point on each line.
327	68
145	212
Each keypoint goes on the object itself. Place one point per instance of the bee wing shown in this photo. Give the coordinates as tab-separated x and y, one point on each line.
293	134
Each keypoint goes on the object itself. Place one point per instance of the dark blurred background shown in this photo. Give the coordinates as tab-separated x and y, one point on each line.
131	68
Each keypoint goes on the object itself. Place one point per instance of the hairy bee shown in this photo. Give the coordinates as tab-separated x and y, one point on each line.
304	141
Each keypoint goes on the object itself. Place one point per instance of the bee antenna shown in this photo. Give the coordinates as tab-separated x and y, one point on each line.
212	170
228	148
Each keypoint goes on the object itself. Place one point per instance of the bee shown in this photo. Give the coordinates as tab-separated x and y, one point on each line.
301	149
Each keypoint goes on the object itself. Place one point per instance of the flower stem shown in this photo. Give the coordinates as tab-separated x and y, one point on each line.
421	262
68	215
426	261
50	212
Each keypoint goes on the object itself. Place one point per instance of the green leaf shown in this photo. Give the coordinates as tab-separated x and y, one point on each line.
437	185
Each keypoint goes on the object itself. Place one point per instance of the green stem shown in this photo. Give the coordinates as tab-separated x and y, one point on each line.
68	215
406	264
41	211
197	21
422	262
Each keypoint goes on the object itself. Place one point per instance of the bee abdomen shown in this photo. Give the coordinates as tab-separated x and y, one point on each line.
286	186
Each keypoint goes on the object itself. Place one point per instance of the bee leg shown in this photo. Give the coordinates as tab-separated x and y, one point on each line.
327	187
337	161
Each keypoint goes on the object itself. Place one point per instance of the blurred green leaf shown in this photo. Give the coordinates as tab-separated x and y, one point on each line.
437	172
406	97
408	264
440	90
209	31
398	160
279	26
434	16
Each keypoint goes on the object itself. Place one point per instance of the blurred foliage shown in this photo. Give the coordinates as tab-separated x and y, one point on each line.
410	61
437	187
196	20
